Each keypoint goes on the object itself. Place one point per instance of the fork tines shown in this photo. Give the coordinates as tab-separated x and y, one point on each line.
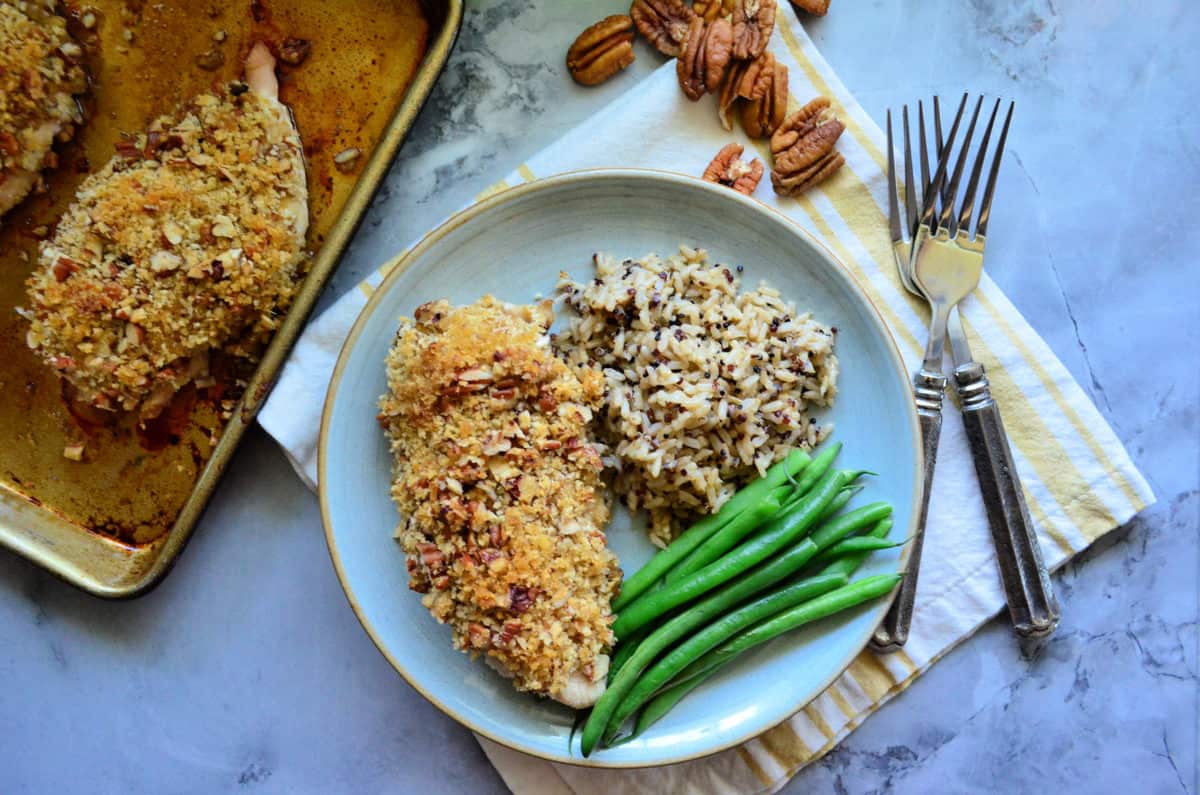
931	199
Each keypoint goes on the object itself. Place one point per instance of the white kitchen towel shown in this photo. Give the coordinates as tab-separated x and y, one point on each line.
1079	481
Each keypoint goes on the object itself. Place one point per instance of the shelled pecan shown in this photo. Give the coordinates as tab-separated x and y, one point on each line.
753	22
803	148
663	23
762	115
729	169
763	84
705	57
711	10
815	7
602	50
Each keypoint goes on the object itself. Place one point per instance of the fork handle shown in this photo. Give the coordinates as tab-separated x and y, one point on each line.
892	634
1031	602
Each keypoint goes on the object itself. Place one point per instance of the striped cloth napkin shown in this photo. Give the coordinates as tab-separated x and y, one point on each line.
1079	481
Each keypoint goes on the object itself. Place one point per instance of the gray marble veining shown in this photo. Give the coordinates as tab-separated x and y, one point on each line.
240	676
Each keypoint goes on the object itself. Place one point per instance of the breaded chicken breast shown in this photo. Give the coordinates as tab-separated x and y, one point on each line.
39	79
189	240
501	495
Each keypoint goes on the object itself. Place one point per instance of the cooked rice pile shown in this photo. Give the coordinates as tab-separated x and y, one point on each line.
189	239
39	78
707	385
501	492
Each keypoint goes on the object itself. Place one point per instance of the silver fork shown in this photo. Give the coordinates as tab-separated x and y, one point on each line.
929	384
943	264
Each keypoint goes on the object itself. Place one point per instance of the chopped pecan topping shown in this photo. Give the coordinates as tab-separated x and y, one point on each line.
803	148
127	148
478	636
814	7
432	557
345	160
753	22
728	169
705	57
211	59
293	51
712	10
507	632
63	268
602	50
663	23
521	598
496	535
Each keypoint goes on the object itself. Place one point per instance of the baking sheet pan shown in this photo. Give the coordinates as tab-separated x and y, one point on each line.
114	523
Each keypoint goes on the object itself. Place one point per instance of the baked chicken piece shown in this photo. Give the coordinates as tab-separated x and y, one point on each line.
189	240
39	78
501	495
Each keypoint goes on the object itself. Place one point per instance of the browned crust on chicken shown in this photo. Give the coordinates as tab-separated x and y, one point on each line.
39	78
190	239
500	489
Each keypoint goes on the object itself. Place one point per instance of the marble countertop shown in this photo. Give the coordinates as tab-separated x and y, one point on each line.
247	669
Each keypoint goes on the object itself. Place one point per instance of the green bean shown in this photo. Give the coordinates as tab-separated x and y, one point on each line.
849	546
698	533
844	566
703	669
686	682
666	699
755	580
849	595
625	650
807	548
819	466
839	502
727	538
837	528
779	535
849	564
714	635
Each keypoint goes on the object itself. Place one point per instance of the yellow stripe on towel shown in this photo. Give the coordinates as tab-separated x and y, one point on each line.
491	190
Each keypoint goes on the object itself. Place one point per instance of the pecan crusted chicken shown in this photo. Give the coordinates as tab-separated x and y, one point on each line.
501	495
39	78
188	241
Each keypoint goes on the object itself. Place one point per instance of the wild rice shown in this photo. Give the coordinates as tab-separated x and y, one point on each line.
707	385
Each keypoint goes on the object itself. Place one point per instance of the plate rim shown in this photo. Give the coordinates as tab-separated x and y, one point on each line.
396	266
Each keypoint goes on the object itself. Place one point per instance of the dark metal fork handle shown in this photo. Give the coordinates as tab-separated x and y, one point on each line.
1031	603
892	634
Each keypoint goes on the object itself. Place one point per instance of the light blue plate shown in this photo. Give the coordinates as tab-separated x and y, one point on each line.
513	245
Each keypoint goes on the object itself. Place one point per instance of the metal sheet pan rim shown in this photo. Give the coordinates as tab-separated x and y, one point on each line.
171	544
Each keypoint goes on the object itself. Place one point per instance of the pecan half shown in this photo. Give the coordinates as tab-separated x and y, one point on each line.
711	10
803	148
601	51
705	57
814	7
753	22
752	80
663	23
763	114
728	169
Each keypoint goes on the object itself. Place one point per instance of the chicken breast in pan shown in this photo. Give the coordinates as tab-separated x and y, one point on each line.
40	77
500	491
189	240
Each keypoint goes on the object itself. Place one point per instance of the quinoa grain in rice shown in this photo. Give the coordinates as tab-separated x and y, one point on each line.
707	384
